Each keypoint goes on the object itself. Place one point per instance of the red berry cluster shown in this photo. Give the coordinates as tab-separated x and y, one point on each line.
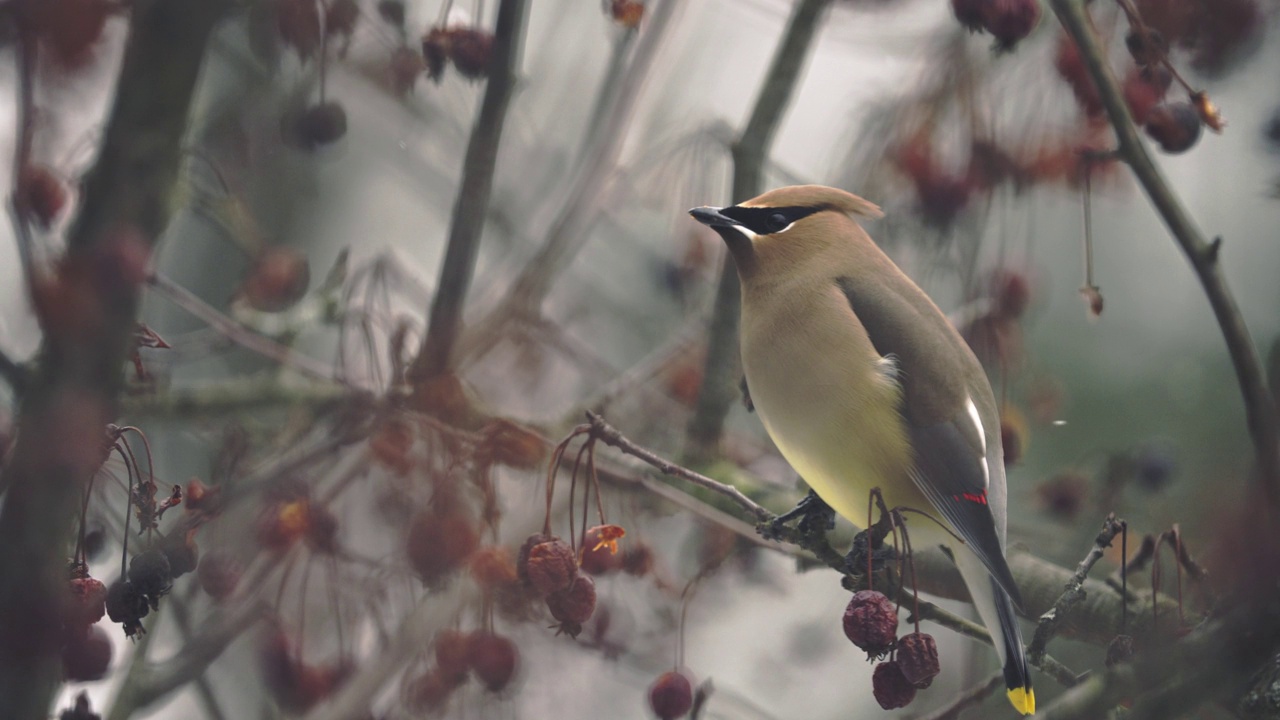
549	570
470	50
871	623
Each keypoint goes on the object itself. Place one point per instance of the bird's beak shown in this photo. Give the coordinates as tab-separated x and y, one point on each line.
711	217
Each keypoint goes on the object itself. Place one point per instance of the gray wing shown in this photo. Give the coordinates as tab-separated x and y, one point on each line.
949	445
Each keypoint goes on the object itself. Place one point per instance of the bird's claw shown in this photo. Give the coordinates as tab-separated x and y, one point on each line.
856	561
816	516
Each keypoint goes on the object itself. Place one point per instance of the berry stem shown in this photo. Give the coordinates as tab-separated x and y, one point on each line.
1124	576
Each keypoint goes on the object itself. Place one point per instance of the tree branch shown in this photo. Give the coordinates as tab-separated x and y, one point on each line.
445	323
750	153
967	699
1074	591
1264	429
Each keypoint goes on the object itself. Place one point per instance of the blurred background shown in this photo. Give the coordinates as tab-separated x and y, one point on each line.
593	290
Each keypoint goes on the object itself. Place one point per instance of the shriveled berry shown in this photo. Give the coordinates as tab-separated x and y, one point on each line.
671	695
598	557
573	606
546	564
322	124
150	573
493	658
127	606
439	544
917	657
219	574
1176	126
453	652
871	622
1146	48
429	692
183	554
1120	650
86	655
971	13
471	52
943	197
1011	20
88	601
891	687
436	45
278	279
492	567
41	194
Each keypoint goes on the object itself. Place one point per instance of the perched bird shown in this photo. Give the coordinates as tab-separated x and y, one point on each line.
862	383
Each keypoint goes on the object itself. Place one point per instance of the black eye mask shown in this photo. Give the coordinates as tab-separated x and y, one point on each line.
768	220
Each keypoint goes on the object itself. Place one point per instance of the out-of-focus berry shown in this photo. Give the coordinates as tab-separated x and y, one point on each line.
42	194
86	655
1154	466
471	51
1011	20
322	124
493	659
341	16
298	22
1064	494
429	692
510	443
88	601
671	695
1146	48
403	69
627	13
971	13
1175	126
278	279
453	653
440	543
392	11
218	574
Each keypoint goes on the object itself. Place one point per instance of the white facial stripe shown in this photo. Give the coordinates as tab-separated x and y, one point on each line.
745	231
784	229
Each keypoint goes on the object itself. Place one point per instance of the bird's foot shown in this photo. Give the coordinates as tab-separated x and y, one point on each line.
870	542
816	517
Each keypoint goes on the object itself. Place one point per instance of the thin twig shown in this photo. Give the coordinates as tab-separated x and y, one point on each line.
237	333
750	153
1264	428
967	699
445	323
1074	591
613	437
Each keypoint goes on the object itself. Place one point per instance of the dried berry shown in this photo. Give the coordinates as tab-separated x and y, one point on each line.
88	601
439	544
1064	494
943	197
600	555
150	573
127	606
429	692
971	13
510	443
453	652
891	687
1147	48
284	523
218	574
1011	20
81	710
41	194
436	46
403	69
340	17
546	564
182	552
637	560
471	52
1121	649
917	657
627	13
671	695
322	124
573	606
493	659
871	622
278	279
298	22
492	568
1176	126
86	655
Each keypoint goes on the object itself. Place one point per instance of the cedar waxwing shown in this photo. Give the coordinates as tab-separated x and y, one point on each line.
862	383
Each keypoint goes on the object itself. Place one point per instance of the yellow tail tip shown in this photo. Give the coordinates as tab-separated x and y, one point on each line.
1023	699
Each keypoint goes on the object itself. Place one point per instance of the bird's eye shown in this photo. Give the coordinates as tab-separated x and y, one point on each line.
776	222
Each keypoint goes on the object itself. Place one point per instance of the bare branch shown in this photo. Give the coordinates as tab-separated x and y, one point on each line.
1264	428
1074	591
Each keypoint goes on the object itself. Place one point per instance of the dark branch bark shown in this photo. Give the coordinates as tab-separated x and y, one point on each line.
1074	591
74	392
750	153
1203	255
445	322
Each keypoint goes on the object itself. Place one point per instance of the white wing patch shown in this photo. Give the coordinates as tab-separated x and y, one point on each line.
982	438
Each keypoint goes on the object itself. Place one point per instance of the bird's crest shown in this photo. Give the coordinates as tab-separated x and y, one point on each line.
817	196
